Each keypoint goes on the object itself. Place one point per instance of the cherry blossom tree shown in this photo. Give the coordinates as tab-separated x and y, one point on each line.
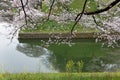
28	13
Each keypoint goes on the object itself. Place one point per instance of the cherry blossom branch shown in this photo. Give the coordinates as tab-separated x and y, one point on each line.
79	16
20	6
100	10
104	9
15	31
23	7
51	9
95	20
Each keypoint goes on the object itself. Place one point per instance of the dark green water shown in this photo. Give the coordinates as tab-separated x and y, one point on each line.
95	57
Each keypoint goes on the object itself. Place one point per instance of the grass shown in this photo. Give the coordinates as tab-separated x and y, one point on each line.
61	76
78	4
52	26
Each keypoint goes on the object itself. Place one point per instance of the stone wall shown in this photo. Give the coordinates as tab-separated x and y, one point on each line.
56	35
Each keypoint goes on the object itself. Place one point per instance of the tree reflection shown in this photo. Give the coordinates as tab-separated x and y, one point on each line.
45	57
109	62
31	50
95	58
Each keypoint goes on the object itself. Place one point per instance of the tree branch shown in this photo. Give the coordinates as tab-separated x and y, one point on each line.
104	9
50	9
95	20
79	16
23	7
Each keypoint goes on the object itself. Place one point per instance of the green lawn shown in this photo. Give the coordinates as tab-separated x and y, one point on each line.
78	4
52	26
61	76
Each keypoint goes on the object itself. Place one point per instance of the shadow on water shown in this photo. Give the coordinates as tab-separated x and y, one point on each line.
95	57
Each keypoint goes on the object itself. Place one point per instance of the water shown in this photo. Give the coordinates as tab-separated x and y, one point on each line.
16	61
95	57
29	56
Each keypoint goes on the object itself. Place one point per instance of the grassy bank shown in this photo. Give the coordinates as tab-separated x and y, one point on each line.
52	26
61	76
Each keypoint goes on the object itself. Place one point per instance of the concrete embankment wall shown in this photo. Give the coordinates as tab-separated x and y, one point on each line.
31	35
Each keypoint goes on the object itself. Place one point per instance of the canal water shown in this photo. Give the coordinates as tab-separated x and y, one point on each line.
32	56
15	59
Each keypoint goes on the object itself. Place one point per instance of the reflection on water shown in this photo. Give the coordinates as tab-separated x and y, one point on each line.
29	56
95	57
36	58
39	52
32	50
